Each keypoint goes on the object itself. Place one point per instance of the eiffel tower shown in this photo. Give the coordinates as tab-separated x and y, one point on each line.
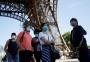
38	12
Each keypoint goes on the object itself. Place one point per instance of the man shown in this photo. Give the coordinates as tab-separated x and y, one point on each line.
78	41
24	40
11	49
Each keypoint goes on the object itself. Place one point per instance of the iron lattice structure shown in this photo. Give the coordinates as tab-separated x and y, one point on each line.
38	12
12	10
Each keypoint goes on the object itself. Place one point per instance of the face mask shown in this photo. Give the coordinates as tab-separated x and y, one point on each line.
28	29
13	38
45	28
73	24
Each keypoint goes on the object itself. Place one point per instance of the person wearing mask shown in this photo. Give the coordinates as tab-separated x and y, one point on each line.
78	41
24	41
45	40
11	49
36	46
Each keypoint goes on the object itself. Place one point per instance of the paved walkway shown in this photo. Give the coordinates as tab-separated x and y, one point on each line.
67	60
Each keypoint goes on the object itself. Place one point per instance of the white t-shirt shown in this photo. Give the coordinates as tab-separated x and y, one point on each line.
46	35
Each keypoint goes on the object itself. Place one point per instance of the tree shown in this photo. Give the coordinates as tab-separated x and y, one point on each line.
66	37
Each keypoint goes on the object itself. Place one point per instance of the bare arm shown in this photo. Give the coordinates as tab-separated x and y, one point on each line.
45	41
18	42
53	41
6	46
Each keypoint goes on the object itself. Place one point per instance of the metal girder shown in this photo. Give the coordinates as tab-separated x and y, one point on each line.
38	12
16	11
55	8
14	1
39	9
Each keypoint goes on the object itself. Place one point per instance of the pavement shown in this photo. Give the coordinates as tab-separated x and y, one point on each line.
67	60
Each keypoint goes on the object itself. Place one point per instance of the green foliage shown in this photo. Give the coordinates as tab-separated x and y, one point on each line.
66	37
89	47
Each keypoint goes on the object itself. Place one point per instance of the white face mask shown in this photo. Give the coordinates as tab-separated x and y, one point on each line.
13	38
28	28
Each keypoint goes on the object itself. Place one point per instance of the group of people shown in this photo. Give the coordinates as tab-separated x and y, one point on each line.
24	48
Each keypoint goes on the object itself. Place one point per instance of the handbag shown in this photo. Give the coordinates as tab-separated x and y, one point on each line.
74	53
55	52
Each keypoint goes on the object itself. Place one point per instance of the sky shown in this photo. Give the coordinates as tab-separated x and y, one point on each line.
79	9
8	26
66	10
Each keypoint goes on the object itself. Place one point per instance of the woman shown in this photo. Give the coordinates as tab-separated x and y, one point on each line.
78	41
45	40
24	41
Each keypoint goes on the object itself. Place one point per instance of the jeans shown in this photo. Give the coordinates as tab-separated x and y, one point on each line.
37	55
12	58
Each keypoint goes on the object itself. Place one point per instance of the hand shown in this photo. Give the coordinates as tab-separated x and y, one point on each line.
22	48
52	41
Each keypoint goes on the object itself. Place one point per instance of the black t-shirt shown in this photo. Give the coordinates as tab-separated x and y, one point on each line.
12	47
